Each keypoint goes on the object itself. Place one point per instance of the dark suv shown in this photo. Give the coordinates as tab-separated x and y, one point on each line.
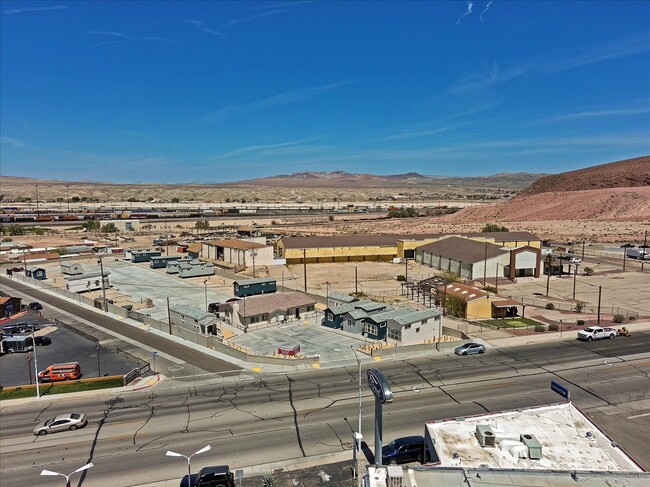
35	306
219	476
403	450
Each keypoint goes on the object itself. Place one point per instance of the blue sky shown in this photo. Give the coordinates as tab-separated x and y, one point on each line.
225	91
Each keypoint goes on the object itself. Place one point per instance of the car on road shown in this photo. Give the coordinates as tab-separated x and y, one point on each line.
42	340
36	306
592	333
63	422
403	450
575	260
469	349
217	476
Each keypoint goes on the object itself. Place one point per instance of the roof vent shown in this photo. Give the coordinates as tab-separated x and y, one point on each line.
485	435
395	476
534	446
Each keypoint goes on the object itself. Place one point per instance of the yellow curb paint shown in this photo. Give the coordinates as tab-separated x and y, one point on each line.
305	322
316	366
256	369
377	359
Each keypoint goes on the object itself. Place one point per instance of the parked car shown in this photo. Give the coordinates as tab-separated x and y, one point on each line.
469	349
35	306
575	260
43	340
403	450
213	307
10	329
63	422
218	476
27	327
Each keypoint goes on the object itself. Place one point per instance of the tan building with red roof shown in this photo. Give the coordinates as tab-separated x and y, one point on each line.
473	303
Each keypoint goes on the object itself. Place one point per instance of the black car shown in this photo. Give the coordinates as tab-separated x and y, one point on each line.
27	327
35	306
44	340
219	476
10	329
213	307
403	450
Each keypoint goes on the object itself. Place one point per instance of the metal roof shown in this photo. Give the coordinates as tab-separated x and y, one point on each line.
463	249
88	275
337	296
350	240
193	312
271	303
235	244
259	280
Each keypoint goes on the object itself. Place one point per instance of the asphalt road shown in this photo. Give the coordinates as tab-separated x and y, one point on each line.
284	417
190	355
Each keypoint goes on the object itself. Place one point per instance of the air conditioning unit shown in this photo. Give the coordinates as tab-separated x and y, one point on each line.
534	446
485	435
395	476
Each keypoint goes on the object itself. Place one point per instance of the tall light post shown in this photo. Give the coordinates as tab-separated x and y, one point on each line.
189	460
101	270
38	386
67	477
357	436
575	274
99	367
253	255
205	288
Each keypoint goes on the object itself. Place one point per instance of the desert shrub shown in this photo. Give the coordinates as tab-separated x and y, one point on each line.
631	318
540	328
619	318
401	278
588	271
553	327
491	289
580	322
494	227
268	480
550	306
579	307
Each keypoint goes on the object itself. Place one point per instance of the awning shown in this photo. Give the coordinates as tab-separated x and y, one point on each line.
506	303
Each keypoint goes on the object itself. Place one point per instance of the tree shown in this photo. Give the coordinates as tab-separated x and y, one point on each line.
455	306
494	227
16	230
202	224
548	262
589	271
90	225
175	200
109	228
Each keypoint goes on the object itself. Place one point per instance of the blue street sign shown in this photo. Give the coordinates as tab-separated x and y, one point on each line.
560	389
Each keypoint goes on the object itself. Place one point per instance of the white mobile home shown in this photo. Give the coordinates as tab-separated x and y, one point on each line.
91	281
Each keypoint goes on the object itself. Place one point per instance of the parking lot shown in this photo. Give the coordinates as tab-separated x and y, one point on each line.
67	346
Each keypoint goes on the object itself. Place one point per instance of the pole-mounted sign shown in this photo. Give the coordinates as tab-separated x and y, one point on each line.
383	395
560	389
379	386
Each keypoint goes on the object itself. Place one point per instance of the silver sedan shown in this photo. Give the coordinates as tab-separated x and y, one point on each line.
63	422
469	349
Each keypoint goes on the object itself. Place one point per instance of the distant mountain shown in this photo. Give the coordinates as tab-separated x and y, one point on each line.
628	173
342	179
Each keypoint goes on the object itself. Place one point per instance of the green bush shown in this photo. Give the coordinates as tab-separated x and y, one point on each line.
490	289
540	328
553	327
579	307
401	278
619	318
580	322
550	306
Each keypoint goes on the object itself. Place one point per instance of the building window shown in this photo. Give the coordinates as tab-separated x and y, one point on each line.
424	322
330	317
417	330
395	335
350	322
407	327
370	329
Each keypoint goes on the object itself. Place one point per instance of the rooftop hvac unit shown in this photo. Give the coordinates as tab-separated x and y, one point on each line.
485	435
534	446
395	476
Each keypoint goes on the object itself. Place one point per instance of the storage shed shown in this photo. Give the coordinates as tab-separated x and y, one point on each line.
37	273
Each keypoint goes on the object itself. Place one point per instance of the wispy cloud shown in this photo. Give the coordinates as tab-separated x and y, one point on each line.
120	35
487	7
200	26
285	98
253	17
34	9
261	147
16	143
470	6
160	39
410	134
495	75
614	112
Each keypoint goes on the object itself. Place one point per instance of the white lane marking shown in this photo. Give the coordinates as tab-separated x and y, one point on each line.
638	416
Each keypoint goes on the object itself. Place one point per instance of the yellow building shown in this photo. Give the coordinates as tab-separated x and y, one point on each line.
382	248
476	303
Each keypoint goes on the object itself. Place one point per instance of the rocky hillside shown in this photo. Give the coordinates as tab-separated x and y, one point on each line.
622	174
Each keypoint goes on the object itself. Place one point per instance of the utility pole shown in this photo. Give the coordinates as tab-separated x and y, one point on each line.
356	281
169	317
496	280
406	266
645	249
38	387
253	255
575	274
282	281
624	256
485	264
38	211
67	195
600	288
101	270
304	265
583	251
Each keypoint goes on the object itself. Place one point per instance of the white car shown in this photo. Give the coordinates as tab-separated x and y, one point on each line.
575	260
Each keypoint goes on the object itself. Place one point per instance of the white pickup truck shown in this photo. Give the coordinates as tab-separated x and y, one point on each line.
596	333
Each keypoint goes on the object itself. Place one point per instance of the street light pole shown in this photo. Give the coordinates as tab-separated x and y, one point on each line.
67	477
99	367
600	289
38	386
205	287
101	270
189	460
253	255
575	274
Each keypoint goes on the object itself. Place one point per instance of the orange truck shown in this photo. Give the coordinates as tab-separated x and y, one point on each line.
59	372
